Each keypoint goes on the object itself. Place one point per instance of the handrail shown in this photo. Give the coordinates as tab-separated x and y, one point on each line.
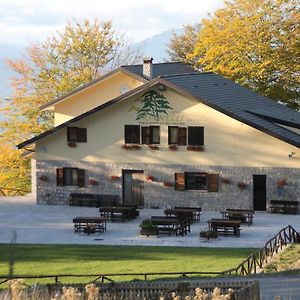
255	261
12	192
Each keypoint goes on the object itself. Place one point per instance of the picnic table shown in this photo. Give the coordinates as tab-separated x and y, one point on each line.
180	213
89	224
244	215
171	225
197	211
123	213
225	227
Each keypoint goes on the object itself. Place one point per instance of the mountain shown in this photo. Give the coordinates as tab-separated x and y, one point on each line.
156	45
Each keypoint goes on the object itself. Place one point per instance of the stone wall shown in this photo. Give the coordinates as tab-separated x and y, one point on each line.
156	194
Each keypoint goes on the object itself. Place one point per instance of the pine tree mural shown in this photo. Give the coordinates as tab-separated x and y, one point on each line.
154	104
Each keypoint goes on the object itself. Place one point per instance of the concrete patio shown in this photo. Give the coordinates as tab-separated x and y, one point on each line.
44	224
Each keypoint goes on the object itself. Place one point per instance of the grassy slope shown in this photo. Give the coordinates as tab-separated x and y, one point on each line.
66	259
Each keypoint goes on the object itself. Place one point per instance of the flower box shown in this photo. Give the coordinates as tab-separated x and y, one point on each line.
93	182
168	184
242	185
149	178
195	148
44	178
154	147
131	147
173	147
72	144
225	180
114	177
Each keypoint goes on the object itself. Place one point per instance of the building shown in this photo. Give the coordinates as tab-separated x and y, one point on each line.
164	135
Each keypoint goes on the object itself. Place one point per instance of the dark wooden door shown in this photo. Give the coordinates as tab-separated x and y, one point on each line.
133	187
259	192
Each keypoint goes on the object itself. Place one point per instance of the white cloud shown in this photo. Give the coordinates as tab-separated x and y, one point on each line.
24	20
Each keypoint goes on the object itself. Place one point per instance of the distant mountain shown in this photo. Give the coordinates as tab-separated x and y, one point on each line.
156	45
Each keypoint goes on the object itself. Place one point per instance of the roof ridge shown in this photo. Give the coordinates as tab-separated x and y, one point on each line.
163	63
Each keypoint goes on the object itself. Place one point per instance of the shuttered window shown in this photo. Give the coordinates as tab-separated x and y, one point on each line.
150	135
132	134
179	181
196	135
76	134
196	181
177	135
70	177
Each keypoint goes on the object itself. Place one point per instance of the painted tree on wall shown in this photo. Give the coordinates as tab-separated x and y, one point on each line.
154	104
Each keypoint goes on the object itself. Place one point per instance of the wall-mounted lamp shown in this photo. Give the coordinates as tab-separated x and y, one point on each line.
291	154
162	87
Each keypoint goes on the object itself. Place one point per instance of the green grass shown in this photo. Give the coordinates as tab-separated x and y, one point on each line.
288	260
70	259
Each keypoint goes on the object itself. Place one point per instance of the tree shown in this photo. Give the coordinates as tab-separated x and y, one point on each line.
181	45
79	54
256	43
154	104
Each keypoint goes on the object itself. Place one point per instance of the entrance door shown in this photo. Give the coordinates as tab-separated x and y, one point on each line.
259	192
133	187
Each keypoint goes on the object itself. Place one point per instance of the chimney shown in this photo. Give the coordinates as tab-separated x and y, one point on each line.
147	67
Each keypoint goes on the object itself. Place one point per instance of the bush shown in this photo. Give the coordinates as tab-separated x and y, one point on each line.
209	234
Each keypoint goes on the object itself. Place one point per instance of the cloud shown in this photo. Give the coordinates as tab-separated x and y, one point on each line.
25	20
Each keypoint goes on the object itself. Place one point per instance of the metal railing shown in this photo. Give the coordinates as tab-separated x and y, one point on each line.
254	263
4	191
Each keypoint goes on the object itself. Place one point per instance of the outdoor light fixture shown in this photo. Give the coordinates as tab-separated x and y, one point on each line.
162	87
291	154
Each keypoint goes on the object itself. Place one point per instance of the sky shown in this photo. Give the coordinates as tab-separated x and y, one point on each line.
27	21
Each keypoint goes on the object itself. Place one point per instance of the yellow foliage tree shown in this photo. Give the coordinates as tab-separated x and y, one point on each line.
257	44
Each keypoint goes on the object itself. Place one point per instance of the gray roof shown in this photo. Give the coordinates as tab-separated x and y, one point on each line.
241	103
217	92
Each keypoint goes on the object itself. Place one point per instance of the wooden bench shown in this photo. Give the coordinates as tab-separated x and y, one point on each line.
93	200
196	211
284	206
171	225
89	224
225	227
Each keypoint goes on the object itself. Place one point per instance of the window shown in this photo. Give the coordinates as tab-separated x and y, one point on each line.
150	135
75	134
177	135
196	135
132	134
196	181
70	177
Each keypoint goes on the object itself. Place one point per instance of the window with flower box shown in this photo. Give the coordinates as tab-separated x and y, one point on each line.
70	177
191	135
148	135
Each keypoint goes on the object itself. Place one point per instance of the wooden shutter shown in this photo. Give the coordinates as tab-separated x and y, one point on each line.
81	135
212	182
72	134
182	136
60	177
179	181
146	135
132	134
154	134
80	178
196	135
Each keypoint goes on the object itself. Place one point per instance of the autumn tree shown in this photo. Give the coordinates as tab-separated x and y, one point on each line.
79	54
181	45
255	43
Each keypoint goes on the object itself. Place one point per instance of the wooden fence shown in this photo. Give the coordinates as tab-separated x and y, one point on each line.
12	192
254	263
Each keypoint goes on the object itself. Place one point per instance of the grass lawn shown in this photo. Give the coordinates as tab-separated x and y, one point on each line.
70	259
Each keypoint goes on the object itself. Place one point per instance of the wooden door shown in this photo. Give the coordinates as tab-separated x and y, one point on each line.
259	192
133	187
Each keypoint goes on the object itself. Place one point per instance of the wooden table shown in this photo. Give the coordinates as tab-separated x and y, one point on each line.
245	216
114	213
180	213
196	210
89	224
171	225
225	227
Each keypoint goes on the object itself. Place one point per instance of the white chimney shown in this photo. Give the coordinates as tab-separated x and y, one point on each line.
148	67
